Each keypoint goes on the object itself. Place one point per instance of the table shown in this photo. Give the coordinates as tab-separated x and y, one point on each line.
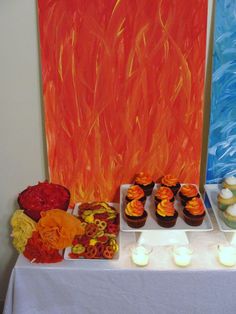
115	287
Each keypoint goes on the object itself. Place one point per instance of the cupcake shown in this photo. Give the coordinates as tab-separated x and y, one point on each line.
171	182
135	215
187	192
42	197
225	198
229	216
230	183
166	214
194	212
135	193
163	193
145	182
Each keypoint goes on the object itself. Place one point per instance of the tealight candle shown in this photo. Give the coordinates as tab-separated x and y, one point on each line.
227	255
140	255
182	256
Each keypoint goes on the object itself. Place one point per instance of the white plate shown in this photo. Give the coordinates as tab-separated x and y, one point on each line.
68	249
151	223
212	191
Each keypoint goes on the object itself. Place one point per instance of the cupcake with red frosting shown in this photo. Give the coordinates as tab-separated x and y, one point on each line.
194	212
145	181
163	193
135	215
134	192
171	182
166	214
42	197
188	192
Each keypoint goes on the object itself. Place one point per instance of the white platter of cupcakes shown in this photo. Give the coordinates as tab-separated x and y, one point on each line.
168	205
222	198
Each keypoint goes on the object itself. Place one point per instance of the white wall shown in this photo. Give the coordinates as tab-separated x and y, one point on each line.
21	127
21	136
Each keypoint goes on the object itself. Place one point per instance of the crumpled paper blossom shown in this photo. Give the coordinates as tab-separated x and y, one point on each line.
58	228
37	252
23	227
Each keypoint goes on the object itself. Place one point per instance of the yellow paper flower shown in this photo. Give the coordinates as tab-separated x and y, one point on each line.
23	227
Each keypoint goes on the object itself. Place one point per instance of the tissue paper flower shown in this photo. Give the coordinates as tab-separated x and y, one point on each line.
58	228
37	252
23	227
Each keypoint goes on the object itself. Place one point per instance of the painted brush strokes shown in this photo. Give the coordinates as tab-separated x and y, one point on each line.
222	136
123	91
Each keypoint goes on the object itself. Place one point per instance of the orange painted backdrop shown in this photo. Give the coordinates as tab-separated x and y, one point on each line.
123	91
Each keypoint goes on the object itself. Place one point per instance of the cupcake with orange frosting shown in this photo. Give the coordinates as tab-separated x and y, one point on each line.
166	214
194	212
145	181
135	215
163	193
171	182
135	193
188	192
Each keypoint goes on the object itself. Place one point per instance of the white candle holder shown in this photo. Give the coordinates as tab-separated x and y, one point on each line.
226	254
182	255
140	255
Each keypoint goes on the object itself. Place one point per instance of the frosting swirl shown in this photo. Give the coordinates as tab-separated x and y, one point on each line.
164	193
135	192
195	206
231	210
134	208
169	180
226	194
165	208
189	190
143	178
230	180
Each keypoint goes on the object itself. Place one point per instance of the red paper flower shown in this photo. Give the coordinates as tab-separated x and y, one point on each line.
37	252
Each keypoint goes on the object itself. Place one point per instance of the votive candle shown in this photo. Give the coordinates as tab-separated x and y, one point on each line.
227	255
182	256
140	256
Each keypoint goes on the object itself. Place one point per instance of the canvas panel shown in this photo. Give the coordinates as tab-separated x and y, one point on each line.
222	134
123	91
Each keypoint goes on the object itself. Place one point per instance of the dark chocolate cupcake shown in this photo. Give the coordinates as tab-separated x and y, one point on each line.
171	182
194	212
166	214
135	215
145	182
163	193
188	192
135	192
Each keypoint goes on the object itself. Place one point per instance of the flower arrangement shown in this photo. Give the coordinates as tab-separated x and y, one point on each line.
42	227
40	242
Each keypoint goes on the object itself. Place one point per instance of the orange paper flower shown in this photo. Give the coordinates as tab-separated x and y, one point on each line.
58	228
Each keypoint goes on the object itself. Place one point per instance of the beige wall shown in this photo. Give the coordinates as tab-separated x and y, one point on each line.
21	138
21	128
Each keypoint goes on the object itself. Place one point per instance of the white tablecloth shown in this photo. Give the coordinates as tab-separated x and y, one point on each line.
100	287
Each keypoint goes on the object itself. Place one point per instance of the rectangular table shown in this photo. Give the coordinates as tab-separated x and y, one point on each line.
117	287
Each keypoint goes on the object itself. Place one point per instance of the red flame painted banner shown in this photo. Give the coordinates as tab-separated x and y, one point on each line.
123	91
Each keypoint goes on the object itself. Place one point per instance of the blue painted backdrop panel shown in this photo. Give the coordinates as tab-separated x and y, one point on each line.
222	136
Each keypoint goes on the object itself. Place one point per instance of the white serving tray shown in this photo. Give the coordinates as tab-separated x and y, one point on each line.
212	191
151	223
67	250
